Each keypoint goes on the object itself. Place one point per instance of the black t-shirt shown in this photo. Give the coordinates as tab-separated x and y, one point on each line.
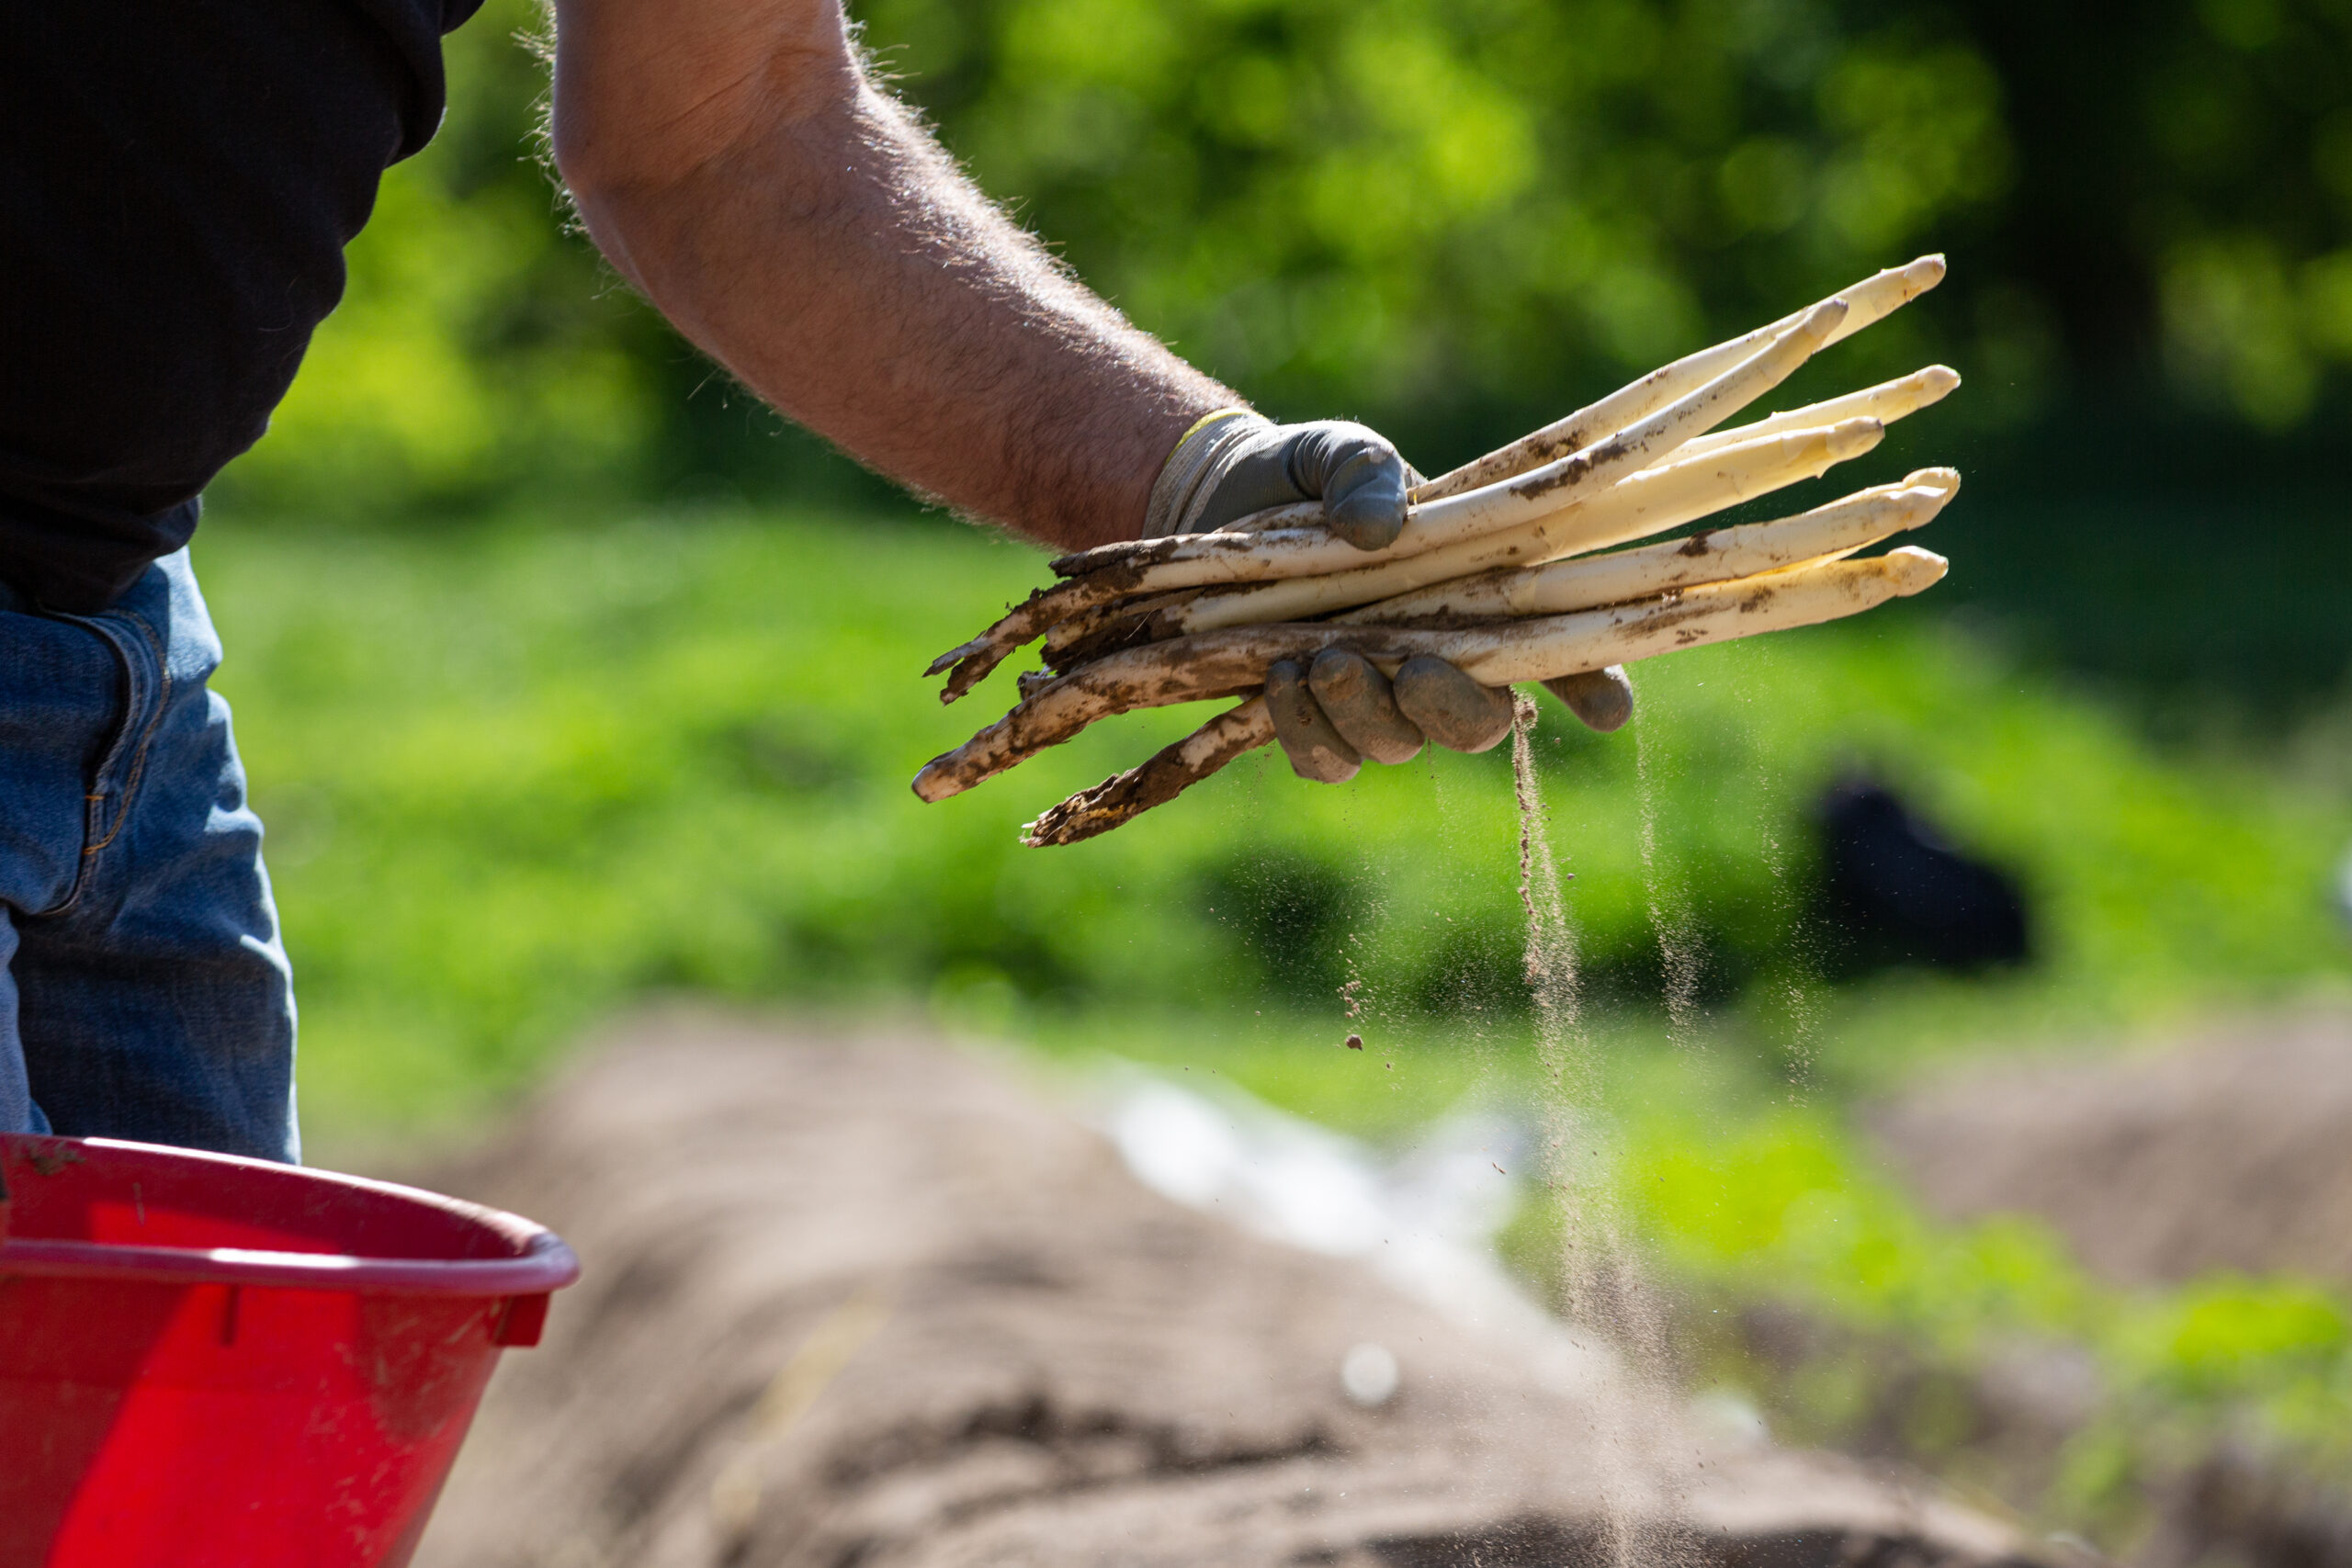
177	181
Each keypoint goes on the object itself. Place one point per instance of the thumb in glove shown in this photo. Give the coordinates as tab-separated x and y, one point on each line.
1235	462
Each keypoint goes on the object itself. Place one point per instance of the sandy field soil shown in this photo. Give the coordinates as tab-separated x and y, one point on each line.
2231	1150
872	1302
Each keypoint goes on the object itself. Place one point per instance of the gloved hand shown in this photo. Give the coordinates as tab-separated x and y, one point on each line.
1340	710
1235	462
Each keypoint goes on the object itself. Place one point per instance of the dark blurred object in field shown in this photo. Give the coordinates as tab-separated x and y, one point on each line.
1894	890
2232	1153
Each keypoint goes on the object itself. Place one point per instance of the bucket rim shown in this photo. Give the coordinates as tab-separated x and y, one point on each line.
541	1261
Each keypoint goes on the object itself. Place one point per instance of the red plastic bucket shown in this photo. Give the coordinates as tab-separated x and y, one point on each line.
207	1360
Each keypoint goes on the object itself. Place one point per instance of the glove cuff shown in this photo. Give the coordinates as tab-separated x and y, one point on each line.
1191	474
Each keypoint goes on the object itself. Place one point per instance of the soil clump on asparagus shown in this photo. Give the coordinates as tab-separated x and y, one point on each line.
869	1301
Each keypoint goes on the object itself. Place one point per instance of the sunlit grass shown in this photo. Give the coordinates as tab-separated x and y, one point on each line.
518	775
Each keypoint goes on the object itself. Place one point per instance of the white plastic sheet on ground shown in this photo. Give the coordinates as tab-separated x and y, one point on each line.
1426	1220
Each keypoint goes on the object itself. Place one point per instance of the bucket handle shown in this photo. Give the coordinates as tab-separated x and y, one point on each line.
521	1321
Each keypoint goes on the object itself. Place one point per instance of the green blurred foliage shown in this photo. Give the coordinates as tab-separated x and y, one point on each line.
1452	217
1456	219
1798	1276
516	777
2248	115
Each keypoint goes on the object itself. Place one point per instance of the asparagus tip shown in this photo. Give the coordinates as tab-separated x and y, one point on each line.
935	783
969	671
954	656
1852	437
1915	568
1823	318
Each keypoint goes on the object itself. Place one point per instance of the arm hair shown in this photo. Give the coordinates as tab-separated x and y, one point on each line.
738	163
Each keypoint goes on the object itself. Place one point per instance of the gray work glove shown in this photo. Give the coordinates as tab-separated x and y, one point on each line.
1331	713
1340	710
1235	462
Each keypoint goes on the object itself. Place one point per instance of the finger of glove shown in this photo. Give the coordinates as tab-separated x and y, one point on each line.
1362	477
1451	709
1603	699
1361	705
1316	751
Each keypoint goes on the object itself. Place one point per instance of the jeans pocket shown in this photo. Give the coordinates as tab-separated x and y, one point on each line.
65	690
145	688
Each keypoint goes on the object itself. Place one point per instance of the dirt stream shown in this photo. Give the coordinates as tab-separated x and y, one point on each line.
874	1301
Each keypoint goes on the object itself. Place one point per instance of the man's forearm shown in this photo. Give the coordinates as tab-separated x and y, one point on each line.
800	228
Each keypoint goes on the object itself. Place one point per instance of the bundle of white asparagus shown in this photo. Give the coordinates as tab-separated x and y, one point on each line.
1493	571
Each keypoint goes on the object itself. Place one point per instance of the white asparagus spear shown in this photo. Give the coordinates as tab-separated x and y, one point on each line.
1886	402
968	663
1647	502
1188	560
1292	514
1239	730
1544	647
1093	632
1717	555
1869	302
1166	775
1872	301
1111	572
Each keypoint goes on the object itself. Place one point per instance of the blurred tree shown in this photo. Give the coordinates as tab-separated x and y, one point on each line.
1451	217
1456	218
2185	192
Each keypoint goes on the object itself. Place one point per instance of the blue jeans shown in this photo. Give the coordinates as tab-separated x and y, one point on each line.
145	992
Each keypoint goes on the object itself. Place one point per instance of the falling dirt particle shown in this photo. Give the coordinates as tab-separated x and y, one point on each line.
1498	1170
1355	1042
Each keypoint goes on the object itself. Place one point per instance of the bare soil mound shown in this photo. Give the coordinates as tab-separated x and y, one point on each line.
2233	1151
872	1302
